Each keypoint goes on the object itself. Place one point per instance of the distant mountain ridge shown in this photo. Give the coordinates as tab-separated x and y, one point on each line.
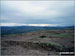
5	30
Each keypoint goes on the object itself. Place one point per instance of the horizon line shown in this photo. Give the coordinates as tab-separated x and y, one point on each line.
20	24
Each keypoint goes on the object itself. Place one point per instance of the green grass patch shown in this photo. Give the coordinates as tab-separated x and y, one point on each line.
64	35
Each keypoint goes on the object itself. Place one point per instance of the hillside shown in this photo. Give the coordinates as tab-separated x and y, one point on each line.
5	30
43	42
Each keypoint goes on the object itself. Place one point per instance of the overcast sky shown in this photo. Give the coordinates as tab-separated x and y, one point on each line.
38	12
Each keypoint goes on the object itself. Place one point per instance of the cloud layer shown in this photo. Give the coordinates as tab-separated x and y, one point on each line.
18	24
38	12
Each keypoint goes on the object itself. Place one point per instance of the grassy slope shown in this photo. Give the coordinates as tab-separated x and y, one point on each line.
50	40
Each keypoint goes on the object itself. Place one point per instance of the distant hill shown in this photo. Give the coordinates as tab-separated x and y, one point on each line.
5	30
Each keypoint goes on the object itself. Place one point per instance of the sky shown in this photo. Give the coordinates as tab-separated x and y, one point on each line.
37	13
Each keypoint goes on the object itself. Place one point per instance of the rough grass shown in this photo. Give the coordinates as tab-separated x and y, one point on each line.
43	41
64	35
54	46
